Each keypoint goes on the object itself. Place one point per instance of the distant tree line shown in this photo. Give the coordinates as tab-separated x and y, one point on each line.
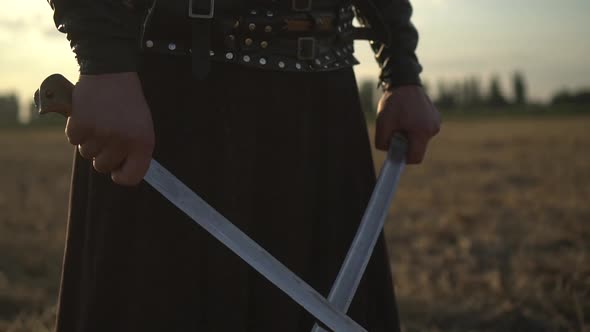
9	113
461	94
566	97
8	109
469	94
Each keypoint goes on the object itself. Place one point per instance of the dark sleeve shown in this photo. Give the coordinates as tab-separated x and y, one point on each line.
104	34
398	38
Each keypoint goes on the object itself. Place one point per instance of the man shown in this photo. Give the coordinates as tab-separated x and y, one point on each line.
268	130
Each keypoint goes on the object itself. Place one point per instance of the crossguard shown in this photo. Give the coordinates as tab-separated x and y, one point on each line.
55	96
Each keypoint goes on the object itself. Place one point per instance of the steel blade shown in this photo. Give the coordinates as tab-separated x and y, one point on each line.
364	242
252	253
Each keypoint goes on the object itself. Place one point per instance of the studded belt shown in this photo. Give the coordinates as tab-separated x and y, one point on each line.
291	55
262	38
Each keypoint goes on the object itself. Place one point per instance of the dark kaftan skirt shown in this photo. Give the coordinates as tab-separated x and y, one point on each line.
285	156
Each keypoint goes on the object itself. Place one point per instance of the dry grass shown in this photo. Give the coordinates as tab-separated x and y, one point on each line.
490	234
34	184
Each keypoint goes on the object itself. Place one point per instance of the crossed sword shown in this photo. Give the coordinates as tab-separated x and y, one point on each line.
55	95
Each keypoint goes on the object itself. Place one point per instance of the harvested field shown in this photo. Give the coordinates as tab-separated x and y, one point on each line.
490	234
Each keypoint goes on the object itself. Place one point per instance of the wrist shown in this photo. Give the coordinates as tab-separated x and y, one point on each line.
106	76
98	56
388	87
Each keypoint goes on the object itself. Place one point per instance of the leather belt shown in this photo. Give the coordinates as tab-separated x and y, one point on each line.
201	35
302	55
298	40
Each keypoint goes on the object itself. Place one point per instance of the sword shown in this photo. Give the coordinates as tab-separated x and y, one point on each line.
357	258
55	95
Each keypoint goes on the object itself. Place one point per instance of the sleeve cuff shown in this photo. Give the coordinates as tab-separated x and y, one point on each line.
106	56
402	71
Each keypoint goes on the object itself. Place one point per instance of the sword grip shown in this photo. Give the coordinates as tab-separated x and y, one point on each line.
398	147
54	96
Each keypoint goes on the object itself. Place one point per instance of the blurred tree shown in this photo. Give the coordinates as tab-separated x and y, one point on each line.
520	89
445	100
8	109
466	93
456	90
367	96
46	119
426	87
496	96
472	96
566	97
582	97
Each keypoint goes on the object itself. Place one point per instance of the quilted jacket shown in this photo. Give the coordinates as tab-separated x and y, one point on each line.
105	34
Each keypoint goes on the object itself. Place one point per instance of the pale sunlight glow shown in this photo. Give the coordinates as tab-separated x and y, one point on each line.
458	38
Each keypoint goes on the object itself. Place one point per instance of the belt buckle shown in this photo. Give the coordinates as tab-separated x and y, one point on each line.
306	48
301	5
191	10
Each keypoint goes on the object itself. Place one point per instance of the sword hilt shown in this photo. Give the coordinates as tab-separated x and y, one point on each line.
398	147
54	96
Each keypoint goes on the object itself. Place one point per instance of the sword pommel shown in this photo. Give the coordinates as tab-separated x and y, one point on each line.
55	96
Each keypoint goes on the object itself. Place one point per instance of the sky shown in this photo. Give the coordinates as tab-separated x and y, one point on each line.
547	40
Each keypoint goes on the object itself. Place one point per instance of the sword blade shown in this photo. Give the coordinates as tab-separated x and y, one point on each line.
357	258
55	95
223	230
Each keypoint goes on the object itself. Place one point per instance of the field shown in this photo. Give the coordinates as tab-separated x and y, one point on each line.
492	233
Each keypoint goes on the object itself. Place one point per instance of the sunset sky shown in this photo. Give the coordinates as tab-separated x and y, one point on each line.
546	39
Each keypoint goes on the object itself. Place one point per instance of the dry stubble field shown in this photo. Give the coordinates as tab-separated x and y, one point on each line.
492	233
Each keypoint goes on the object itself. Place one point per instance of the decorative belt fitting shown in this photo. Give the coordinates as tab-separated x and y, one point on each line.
306	48
193	9
301	5
262	39
334	59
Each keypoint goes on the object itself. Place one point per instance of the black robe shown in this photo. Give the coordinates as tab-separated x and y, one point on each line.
284	156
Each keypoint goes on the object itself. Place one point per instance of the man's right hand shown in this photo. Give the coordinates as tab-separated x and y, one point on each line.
112	125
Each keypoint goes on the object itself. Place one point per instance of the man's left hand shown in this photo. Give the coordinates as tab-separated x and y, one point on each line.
407	109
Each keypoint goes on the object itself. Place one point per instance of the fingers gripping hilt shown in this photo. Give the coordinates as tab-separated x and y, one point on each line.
55	96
